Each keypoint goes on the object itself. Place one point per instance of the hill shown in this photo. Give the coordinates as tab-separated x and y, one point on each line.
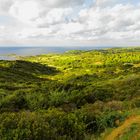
77	95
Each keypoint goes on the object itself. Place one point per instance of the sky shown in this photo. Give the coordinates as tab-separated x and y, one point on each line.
69	22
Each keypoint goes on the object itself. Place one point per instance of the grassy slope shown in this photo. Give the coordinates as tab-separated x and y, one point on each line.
99	88
128	130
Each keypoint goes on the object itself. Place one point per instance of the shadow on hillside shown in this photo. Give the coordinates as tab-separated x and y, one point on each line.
34	68
19	71
31	67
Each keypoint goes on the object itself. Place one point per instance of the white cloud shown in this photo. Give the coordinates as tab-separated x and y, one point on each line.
54	16
103	3
33	32
5	5
2	28
105	21
25	11
39	13
71	28
61	3
115	22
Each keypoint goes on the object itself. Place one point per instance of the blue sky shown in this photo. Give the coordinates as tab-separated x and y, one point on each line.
70	22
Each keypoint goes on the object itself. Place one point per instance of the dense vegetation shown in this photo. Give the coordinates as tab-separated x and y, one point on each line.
76	95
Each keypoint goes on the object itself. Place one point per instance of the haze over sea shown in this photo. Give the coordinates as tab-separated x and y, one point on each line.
6	52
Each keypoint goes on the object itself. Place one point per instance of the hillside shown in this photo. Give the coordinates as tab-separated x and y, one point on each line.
77	95
129	130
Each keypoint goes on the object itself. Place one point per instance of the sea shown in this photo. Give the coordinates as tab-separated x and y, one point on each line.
9	53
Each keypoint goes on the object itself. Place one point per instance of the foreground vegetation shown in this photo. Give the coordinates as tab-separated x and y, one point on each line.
77	95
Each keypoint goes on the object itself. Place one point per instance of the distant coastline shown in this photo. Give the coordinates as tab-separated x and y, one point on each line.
10	53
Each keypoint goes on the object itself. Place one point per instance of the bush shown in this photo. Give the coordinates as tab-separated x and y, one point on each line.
53	124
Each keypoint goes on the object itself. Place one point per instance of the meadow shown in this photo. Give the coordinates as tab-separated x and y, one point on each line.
76	95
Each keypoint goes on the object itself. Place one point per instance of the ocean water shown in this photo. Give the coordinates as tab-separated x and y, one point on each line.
7	53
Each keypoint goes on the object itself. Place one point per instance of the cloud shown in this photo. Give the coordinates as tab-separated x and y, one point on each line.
2	28
120	22
116	22
103	3
28	10
61	3
5	5
54	16
42	13
110	3
43	20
